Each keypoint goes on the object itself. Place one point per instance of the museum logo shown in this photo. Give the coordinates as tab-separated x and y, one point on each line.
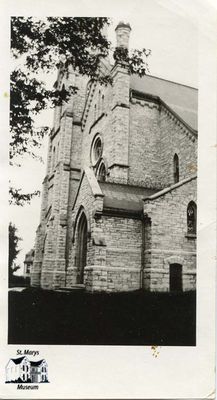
25	373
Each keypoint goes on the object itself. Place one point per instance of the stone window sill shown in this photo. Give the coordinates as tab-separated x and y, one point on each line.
191	235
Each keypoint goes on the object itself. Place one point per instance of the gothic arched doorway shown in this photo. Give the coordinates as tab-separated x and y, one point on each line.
81	251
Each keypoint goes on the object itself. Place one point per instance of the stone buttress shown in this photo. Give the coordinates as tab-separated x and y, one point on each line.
59	187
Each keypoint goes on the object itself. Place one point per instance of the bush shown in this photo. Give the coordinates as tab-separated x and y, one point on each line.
19	281
80	318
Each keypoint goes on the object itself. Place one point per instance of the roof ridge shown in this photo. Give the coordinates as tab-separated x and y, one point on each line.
167	80
126	185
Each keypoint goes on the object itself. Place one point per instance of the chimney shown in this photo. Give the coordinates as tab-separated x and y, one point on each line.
122	35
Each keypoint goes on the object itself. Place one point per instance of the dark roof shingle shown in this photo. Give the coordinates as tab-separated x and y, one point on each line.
36	363
17	360
124	197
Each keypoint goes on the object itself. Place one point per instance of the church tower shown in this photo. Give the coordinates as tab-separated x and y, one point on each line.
59	186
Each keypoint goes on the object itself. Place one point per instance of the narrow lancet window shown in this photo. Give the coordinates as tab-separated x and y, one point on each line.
176	168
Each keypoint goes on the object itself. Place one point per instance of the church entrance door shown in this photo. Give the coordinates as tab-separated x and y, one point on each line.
81	253
175	278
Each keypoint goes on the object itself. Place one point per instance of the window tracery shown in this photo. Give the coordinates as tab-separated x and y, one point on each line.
191	218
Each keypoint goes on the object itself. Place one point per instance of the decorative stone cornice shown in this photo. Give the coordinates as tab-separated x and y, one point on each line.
120	105
93	183
96	121
51	176
88	103
66	167
151	101
122	67
96	190
48	212
77	123
122	24
121	213
45	179
137	95
118	165
190	132
54	132
106	268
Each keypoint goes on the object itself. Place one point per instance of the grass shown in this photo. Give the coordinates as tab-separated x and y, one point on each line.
79	318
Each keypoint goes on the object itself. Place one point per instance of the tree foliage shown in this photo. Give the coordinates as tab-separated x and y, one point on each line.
14	250
136	62
18	198
45	45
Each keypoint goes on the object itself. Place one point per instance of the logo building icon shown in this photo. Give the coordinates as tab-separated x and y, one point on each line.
22	370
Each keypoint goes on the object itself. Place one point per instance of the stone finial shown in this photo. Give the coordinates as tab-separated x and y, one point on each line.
123	34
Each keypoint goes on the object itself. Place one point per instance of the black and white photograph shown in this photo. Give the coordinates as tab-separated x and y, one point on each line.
105	208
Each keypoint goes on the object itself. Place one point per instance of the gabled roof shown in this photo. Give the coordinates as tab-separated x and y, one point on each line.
36	363
182	99
124	197
30	255
18	360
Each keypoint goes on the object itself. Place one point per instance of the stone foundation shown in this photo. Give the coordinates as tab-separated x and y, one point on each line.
111	279
71	277
156	272
158	280
35	279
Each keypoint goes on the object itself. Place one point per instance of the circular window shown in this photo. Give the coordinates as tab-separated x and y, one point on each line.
96	150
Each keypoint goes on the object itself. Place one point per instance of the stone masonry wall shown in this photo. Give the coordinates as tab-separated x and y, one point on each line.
63	173
119	267
94	124
168	241
175	138
144	144
113	248
155	137
138	148
89	203
111	121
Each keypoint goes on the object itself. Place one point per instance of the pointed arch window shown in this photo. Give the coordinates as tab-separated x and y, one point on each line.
176	168
99	104
62	101
103	103
44	242
81	248
54	157
58	149
192	218
102	173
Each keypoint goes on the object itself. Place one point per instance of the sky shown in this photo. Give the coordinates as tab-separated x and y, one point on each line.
171	34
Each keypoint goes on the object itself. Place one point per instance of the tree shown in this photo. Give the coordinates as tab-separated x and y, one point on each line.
45	45
13	250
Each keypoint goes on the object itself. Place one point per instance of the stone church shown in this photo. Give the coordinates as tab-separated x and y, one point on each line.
119	196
